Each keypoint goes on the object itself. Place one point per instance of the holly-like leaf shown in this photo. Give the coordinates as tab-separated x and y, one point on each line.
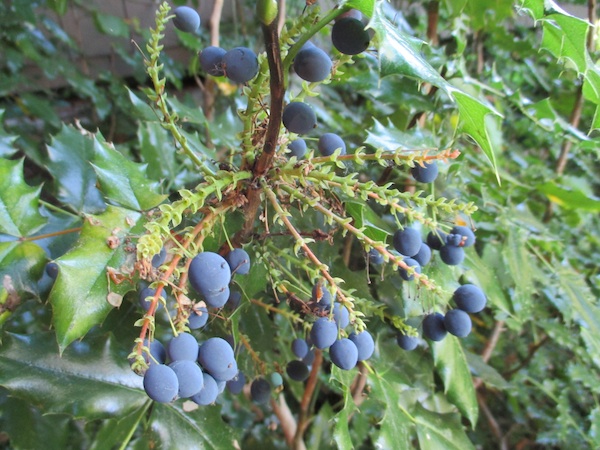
70	153
79	295
19	202
123	181
23	263
477	120
172	428
399	53
91	379
451	364
440	431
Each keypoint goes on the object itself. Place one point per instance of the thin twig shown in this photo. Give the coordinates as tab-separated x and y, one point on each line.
495	428
303	416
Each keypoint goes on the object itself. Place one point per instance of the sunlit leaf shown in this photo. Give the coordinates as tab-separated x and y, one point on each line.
570	198
79	295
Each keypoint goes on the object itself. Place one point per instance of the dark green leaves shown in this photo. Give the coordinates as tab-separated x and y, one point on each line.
70	153
92	379
19	215
400	54
123	181
203	428
79	296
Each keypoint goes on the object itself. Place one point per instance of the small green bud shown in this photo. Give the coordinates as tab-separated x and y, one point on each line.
267	11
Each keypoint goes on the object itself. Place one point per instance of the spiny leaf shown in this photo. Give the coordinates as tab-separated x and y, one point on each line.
70	153
92	379
476	120
399	54
451	364
123	181
19	203
79	293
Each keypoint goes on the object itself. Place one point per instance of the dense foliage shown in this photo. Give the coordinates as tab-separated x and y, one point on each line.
270	245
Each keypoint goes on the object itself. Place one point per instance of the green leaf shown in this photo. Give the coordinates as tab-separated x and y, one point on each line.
91	380
79	295
70	153
565	37
7	141
28	428
367	7
521	269
172	428
440	431
111	25
580	300
487	373
143	110
451	365
341	433
23	263
570	198
390	138
123	181
399	54
478	121
158	151
396	426
115	432
19	203
375	227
